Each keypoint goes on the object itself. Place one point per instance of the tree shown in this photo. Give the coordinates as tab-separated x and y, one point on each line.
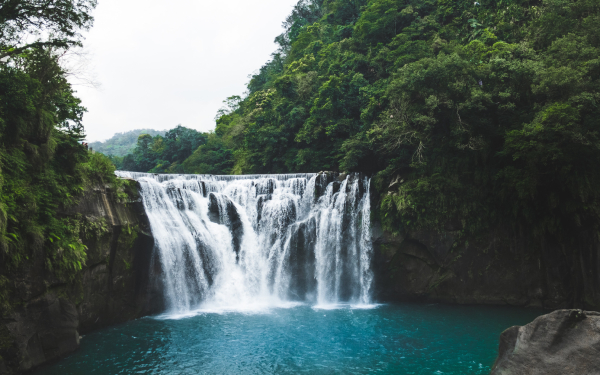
143	155
60	19
180	143
210	158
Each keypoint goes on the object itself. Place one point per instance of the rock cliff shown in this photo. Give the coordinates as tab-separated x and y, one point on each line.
49	315
498	267
501	266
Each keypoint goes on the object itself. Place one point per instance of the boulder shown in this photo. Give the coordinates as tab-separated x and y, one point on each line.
560	343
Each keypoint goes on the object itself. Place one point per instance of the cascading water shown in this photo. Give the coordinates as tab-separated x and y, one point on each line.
236	242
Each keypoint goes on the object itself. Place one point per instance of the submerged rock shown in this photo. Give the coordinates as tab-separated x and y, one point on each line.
560	343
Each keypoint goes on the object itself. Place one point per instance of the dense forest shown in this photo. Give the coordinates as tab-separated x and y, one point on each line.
484	111
179	150
44	168
122	144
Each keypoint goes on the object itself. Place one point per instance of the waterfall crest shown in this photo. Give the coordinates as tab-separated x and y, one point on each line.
239	241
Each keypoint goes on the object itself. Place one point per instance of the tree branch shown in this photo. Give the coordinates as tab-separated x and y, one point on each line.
53	43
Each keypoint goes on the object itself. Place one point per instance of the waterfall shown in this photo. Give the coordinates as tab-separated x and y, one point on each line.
260	240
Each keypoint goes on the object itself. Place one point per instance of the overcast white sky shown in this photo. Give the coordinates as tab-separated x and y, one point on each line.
162	63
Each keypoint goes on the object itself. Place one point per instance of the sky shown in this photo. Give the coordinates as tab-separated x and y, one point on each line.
157	64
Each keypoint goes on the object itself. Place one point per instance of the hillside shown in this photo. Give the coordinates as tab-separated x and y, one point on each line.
474	112
122	144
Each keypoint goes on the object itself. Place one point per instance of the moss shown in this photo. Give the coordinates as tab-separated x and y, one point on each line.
126	241
4	298
77	293
128	236
6	340
128	191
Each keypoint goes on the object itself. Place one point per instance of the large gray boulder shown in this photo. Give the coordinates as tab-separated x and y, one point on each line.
560	343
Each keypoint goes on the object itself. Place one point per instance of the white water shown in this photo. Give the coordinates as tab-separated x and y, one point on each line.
246	243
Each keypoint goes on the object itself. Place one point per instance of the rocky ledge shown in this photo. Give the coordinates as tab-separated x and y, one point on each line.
560	343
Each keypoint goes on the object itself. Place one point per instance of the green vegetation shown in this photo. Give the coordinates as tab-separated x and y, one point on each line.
482	111
163	154
122	144
211	158
44	167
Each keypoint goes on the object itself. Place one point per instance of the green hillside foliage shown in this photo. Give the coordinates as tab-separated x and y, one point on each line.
43	166
483	111
211	158
163	154
122	144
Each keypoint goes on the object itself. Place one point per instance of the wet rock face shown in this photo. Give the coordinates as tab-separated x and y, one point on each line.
176	195
324	179
562	342
260	204
214	212
114	286
302	261
497	267
222	210
265	187
46	331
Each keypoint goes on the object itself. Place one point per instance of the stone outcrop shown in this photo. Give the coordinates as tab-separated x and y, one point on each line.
560	343
50	314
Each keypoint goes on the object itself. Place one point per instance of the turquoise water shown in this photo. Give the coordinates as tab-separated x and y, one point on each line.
387	339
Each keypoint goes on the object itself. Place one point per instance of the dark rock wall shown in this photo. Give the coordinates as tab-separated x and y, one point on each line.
115	286
499	267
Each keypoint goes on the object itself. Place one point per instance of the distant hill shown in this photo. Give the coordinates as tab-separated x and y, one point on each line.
123	143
